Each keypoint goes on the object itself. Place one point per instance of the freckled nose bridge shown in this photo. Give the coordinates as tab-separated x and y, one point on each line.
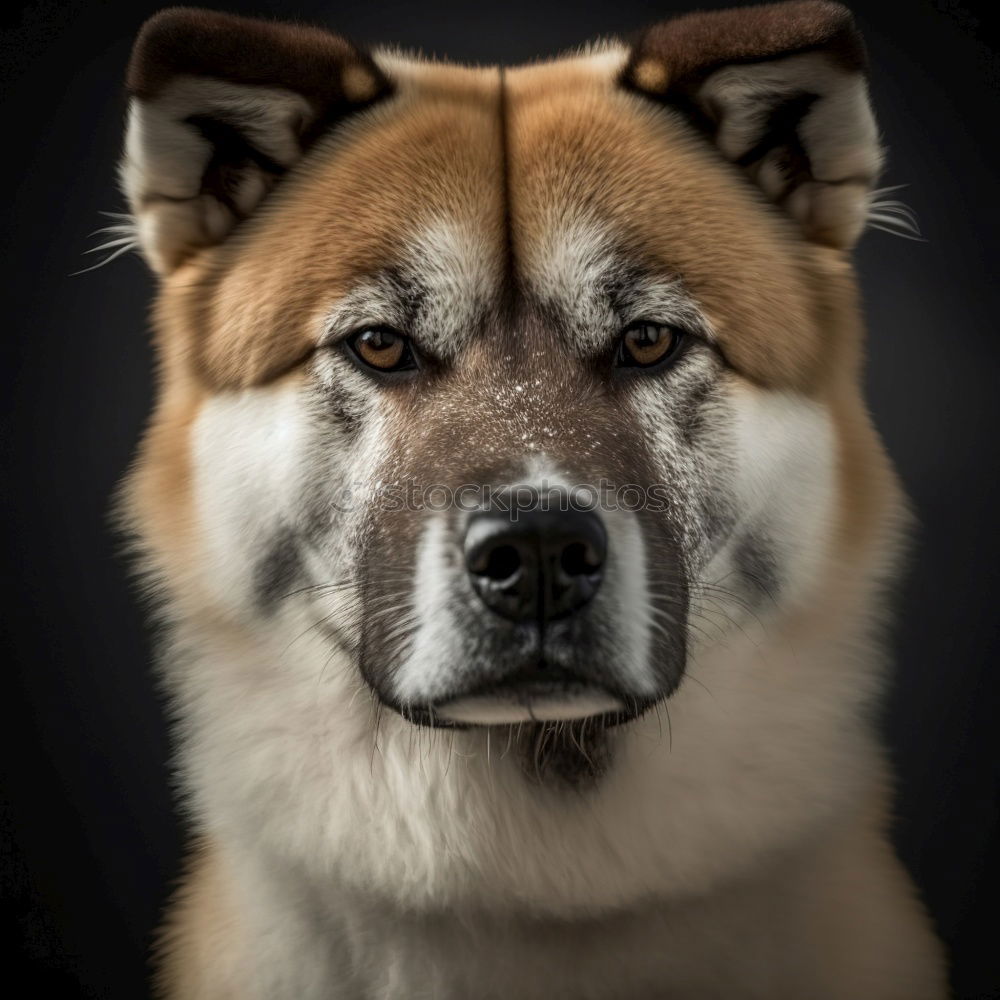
532	401
517	405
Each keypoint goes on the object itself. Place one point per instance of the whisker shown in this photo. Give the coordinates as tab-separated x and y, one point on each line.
126	237
891	215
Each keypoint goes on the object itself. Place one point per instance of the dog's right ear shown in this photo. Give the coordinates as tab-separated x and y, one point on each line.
221	106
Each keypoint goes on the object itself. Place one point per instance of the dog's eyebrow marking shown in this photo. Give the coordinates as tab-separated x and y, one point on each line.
437	292
371	303
592	287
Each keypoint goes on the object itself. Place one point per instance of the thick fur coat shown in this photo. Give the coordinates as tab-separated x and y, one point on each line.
627	266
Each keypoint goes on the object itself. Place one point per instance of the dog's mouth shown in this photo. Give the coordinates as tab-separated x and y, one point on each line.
529	701
545	694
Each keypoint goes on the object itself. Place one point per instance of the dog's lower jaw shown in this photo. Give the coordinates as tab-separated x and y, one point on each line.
834	918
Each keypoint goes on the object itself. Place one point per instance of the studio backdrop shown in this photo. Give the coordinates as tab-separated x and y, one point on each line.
91	831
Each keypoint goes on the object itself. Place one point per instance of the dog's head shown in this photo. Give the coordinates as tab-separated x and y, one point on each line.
509	394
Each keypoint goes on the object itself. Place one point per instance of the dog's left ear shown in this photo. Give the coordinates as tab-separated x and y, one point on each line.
782	90
221	107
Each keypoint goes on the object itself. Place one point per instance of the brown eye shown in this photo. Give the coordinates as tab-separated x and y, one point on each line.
383	349
644	345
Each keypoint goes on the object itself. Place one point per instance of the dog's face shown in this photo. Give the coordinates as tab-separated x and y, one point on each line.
523	391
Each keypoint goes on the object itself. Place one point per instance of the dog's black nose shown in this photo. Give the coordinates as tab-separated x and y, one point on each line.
537	566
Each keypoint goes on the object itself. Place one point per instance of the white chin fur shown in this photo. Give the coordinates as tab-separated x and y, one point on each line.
497	710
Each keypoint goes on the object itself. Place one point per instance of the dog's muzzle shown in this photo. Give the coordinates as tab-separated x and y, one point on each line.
535	568
541	613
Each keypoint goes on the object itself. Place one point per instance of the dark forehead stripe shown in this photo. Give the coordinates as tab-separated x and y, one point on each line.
509	271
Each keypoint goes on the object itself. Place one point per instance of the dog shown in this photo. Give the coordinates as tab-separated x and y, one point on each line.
518	532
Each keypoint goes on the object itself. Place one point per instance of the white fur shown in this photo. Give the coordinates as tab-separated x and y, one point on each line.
248	449
458	268
640	837
281	748
628	581
329	815
325	804
281	740
435	656
457	274
784	482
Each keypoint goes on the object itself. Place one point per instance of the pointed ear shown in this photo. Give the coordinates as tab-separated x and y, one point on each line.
221	107
782	91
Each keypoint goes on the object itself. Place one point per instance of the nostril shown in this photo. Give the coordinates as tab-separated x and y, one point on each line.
539	566
501	563
580	559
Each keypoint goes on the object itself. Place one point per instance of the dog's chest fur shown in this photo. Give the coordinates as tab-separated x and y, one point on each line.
779	934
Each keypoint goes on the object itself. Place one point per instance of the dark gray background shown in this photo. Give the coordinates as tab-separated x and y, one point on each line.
91	842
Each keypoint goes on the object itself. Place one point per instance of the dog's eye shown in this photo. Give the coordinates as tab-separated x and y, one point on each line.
645	345
382	349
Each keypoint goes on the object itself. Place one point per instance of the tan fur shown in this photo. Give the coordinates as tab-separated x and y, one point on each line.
845	894
733	259
193	943
834	915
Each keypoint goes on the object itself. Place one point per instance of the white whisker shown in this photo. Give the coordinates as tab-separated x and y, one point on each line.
893	216
125	237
